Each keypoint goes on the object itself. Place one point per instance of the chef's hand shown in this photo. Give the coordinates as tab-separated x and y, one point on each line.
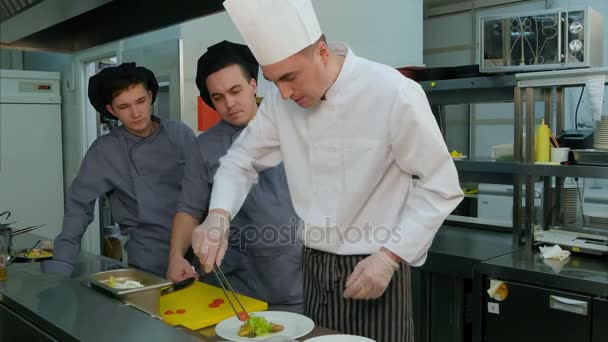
371	276
209	239
179	269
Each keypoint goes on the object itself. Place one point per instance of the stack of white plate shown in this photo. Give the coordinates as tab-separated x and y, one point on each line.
596	219
571	205
600	137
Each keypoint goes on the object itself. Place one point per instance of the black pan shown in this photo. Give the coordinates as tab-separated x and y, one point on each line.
20	258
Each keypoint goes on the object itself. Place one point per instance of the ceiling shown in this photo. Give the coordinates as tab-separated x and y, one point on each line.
73	25
434	3
9	8
103	22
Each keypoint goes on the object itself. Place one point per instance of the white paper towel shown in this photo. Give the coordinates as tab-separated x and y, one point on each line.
556	265
555	252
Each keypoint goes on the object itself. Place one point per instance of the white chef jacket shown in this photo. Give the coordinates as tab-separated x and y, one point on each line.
350	163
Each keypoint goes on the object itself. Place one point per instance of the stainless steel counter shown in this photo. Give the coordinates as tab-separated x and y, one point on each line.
580	273
51	307
454	267
457	250
68	311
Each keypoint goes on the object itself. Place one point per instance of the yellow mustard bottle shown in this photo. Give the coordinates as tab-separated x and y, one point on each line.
543	137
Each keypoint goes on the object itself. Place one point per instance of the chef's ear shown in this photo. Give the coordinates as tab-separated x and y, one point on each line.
150	94
254	84
110	109
322	50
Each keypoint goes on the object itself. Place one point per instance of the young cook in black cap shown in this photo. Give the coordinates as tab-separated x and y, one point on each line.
262	258
138	166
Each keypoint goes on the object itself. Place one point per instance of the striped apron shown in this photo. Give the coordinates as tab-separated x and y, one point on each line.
385	319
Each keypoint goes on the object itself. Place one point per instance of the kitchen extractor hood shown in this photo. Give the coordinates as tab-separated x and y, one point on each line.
72	25
9	8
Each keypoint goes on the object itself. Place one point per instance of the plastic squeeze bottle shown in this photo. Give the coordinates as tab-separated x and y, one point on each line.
543	137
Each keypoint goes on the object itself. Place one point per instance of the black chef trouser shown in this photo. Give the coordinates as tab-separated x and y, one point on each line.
385	319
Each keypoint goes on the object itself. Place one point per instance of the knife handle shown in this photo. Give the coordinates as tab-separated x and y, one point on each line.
177	286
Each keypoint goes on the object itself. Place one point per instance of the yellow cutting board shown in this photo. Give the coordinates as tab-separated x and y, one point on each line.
195	299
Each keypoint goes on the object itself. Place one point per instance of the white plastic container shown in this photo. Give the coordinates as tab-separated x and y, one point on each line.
503	152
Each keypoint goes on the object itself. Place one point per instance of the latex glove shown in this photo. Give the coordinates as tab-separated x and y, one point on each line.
179	269
209	239
370	277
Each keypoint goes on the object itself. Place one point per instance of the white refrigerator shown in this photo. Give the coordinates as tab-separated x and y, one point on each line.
31	158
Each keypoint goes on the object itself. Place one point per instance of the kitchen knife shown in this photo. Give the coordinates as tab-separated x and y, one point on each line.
177	286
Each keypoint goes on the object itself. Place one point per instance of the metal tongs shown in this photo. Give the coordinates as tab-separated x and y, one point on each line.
27	229
242	315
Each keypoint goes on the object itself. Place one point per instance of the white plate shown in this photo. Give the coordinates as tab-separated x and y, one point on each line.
456	158
295	326
340	338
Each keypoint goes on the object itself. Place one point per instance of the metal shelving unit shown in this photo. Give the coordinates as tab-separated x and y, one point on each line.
548	86
524	90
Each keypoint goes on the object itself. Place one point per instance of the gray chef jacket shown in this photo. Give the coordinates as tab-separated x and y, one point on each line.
142	180
263	259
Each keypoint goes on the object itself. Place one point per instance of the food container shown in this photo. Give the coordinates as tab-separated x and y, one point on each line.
146	298
591	157
503	152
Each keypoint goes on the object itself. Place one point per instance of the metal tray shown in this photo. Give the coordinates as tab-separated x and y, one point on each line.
149	281
591	157
145	298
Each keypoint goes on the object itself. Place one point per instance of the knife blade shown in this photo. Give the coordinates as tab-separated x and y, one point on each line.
177	286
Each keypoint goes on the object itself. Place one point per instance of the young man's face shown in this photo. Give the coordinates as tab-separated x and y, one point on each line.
133	107
233	95
302	77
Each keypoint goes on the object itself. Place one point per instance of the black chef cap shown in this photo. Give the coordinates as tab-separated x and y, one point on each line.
110	80
220	56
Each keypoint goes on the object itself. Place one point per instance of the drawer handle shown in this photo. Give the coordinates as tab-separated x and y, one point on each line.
578	307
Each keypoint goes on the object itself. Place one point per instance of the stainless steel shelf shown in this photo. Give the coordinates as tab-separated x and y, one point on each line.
567	171
490	172
490	166
565	78
470	83
470	90
523	169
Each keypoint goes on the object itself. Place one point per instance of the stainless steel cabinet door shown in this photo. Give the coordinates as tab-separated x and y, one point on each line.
600	320
537	314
